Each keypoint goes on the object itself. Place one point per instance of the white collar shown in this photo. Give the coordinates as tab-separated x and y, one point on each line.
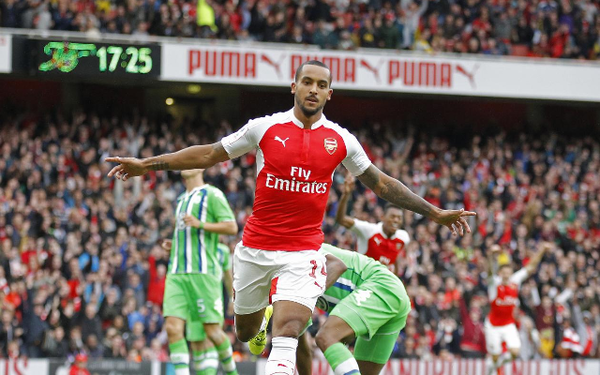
298	123
383	233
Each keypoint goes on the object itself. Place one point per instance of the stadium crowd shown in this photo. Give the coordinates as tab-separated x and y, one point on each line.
536	28
81	271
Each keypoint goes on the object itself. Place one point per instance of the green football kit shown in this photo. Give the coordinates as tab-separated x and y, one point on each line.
193	289
372	300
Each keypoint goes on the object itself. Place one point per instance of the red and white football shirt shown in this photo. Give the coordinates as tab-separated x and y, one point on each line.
372	242
295	167
504	298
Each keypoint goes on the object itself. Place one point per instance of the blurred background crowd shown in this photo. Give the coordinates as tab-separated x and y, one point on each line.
535	28
81	271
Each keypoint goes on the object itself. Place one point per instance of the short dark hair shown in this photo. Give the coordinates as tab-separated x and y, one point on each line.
311	62
391	205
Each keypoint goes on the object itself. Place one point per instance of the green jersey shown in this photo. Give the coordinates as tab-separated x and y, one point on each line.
195	250
360	269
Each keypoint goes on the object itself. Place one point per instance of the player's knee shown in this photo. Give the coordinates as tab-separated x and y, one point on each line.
245	333
216	335
291	328
515	353
174	330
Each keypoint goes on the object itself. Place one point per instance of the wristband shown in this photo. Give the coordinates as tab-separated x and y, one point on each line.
201	225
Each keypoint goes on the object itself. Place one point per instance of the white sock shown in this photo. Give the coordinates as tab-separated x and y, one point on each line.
504	359
181	362
282	359
349	366
206	360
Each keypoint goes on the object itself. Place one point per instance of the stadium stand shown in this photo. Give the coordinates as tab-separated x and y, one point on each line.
81	269
534	28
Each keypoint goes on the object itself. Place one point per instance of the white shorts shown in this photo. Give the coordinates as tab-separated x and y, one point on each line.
297	276
496	335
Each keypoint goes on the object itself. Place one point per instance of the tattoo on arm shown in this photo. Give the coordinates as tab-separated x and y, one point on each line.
159	166
395	192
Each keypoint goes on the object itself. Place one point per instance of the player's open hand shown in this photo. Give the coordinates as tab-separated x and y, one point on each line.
455	220
127	168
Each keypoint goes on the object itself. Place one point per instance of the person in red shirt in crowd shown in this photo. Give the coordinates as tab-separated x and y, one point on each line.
79	367
472	342
158	276
503	291
384	241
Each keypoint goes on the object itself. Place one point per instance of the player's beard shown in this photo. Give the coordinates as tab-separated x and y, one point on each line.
308	112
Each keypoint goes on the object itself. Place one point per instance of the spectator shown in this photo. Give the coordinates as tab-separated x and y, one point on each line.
530	340
90	323
472	343
55	345
389	34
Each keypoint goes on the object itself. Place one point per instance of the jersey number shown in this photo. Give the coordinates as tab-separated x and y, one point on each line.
201	307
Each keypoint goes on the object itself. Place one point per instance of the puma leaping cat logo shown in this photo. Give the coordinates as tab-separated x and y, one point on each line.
281	140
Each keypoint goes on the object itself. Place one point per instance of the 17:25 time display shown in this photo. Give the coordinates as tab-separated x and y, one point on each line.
111	56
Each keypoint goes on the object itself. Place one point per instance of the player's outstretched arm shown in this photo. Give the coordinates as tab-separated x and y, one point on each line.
492	253
531	267
397	193
201	156
340	215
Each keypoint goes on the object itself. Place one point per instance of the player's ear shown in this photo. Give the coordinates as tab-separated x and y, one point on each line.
293	88
329	94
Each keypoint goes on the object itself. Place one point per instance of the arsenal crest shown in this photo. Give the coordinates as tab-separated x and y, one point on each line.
330	145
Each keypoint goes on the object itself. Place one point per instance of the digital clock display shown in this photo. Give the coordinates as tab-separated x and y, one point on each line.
89	59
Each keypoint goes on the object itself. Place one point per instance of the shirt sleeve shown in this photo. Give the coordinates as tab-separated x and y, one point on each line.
360	228
240	142
403	235
221	211
356	160
519	276
248	137
493	283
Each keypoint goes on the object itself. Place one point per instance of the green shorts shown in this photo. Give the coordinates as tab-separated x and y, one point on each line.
195	298
376	311
194	331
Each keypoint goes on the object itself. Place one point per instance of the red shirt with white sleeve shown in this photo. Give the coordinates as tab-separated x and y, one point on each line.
295	167
372	241
504	298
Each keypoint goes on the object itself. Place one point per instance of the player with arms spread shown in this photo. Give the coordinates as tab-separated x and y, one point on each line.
384	241
193	289
367	302
297	153
503	292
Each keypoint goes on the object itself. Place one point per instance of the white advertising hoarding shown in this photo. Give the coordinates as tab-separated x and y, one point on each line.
5	53
385	71
469	367
23	366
